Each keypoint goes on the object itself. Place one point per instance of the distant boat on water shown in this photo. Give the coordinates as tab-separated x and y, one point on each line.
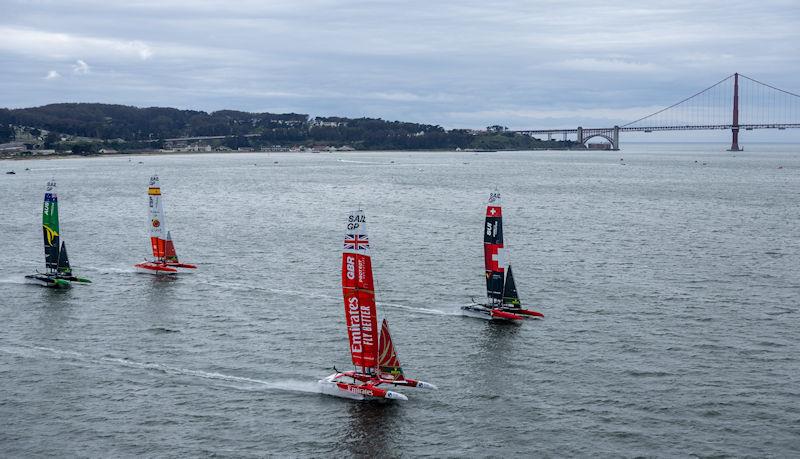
503	300
373	355
165	257
59	272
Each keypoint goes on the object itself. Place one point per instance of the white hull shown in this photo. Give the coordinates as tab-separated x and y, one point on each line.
477	311
328	386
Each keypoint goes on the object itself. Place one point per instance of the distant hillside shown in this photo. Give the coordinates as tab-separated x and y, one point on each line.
104	121
62	126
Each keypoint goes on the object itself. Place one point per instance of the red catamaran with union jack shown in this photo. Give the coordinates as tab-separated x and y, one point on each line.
373	354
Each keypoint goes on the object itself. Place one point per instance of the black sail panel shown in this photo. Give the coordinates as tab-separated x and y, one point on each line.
63	261
51	244
494	286
510	295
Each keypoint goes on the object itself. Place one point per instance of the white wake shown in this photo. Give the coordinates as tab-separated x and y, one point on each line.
241	382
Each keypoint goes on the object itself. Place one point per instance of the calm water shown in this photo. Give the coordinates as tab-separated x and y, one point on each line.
671	289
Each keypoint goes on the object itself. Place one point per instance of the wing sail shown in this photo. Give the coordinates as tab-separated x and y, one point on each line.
359	294
50	229
157	221
388	363
493	251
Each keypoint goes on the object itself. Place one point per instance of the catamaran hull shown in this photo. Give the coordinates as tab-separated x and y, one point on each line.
158	269
47	281
361	392
148	268
480	311
75	279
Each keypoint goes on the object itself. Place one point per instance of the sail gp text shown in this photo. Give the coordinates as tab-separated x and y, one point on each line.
353	221
360	318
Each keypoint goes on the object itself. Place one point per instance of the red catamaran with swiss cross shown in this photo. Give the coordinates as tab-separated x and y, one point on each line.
373	354
165	258
503	300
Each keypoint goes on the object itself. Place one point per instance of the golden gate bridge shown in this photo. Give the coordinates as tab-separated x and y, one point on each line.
736	102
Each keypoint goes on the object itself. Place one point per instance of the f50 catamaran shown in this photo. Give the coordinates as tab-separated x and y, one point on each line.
165	258
373	354
503	301
59	273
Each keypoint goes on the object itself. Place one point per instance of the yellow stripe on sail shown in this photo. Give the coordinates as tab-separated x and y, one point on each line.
154	191
50	234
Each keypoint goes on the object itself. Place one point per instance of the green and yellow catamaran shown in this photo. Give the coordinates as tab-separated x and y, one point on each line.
58	272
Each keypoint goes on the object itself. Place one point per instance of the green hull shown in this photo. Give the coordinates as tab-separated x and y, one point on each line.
49	281
61	283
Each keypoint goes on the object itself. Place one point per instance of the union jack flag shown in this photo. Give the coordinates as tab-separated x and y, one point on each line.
356	242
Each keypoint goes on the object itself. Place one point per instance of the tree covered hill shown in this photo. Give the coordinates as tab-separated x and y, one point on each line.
125	128
105	121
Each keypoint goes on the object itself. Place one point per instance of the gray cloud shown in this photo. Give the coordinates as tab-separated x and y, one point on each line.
460	64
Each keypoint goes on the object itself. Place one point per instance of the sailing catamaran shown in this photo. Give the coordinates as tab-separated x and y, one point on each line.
503	301
166	259
59	273
374	357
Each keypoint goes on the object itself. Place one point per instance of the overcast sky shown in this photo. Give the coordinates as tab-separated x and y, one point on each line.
523	64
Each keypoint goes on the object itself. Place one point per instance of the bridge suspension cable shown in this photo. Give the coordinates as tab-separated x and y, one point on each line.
737	102
761	105
676	104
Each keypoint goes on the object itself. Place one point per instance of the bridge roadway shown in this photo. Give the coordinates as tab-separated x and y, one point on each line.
612	133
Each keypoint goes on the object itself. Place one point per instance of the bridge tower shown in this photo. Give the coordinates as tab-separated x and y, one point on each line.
735	123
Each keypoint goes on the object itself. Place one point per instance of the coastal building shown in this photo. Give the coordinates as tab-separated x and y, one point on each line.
12	148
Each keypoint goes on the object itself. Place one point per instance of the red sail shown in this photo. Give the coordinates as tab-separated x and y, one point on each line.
169	250
359	295
159	247
388	362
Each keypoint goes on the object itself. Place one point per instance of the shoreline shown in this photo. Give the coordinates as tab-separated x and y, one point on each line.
167	153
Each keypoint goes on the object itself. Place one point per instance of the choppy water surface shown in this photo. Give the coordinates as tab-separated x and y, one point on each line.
669	280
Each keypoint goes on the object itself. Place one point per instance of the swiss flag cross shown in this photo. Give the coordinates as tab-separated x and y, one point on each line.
494	211
496	258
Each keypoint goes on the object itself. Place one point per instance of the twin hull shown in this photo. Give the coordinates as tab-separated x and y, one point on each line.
47	281
160	269
361	391
480	311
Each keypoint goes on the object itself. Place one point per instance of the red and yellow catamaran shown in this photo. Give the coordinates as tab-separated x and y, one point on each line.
503	302
372	351
165	258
